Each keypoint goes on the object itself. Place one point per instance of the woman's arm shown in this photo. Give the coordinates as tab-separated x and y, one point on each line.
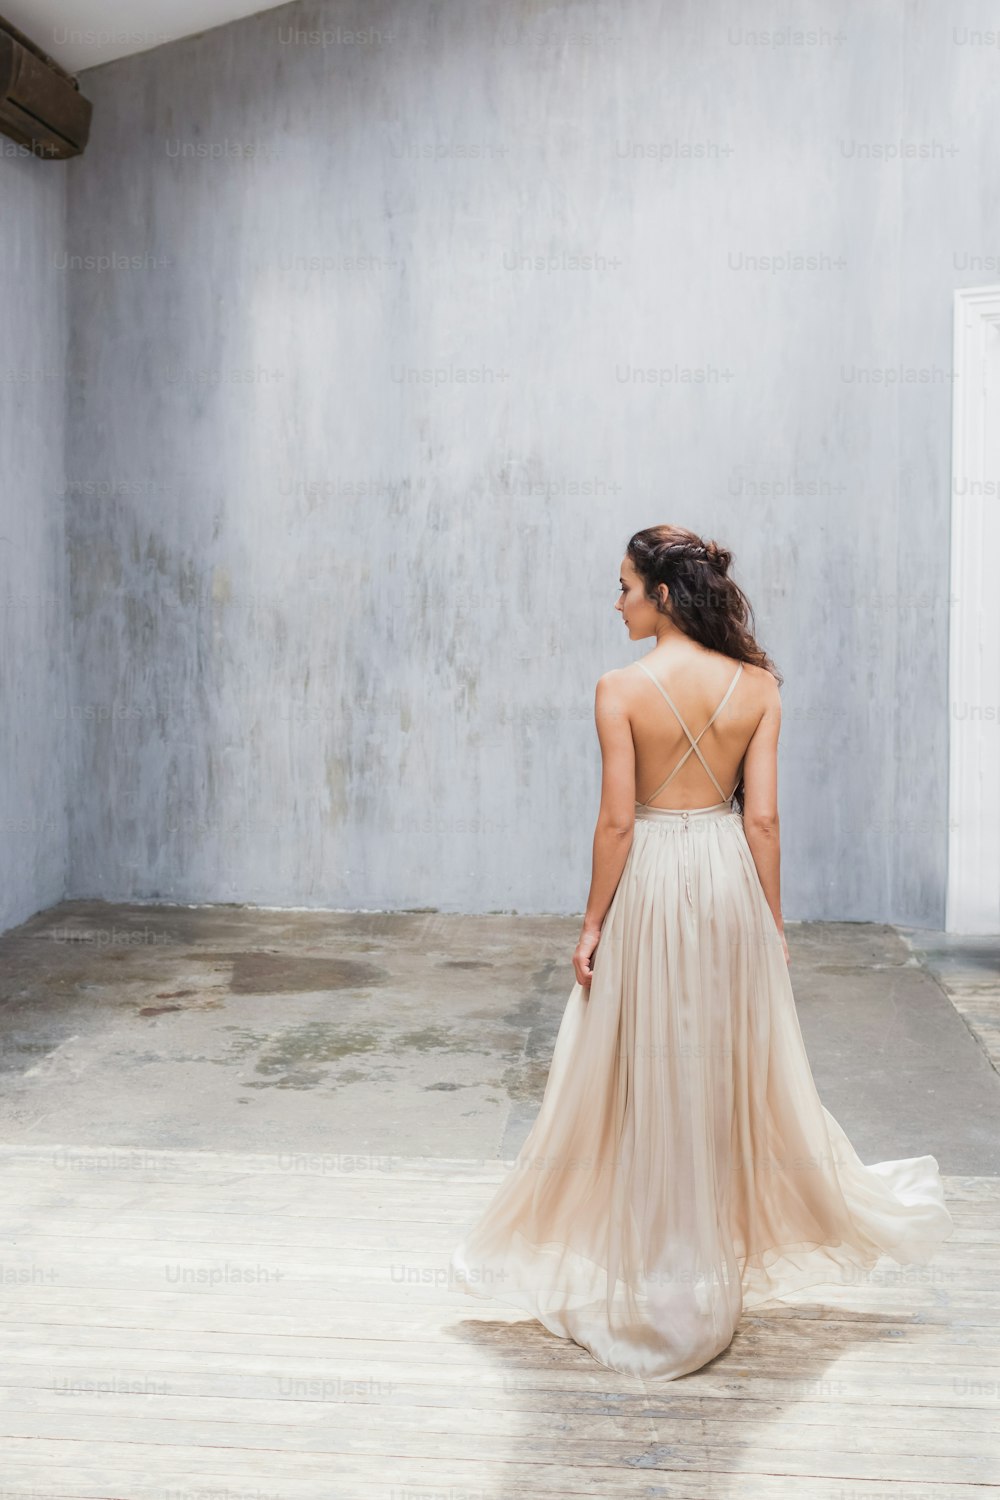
760	806
615	819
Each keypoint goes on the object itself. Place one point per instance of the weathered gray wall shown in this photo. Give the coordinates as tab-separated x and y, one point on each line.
35	729
352	480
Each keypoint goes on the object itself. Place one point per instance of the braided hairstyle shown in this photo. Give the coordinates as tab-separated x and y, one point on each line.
703	602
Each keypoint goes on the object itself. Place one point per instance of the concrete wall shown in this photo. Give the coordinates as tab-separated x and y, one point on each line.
36	732
360	444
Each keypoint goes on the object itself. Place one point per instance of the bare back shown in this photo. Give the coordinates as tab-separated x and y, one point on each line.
720	702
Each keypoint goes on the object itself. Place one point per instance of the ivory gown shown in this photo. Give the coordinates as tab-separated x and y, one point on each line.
681	1167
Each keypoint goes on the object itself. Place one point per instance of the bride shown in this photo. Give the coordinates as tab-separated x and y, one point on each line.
681	1167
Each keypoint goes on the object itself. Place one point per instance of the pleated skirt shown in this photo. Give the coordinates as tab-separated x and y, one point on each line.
681	1167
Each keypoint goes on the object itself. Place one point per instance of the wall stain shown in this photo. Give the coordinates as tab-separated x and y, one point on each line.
336	785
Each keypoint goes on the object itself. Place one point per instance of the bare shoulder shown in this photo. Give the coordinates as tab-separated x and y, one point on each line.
614	678
613	686
623	679
766	699
764	682
612	709
620	684
621	688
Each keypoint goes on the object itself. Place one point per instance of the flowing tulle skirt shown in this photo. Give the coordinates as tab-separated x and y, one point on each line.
681	1167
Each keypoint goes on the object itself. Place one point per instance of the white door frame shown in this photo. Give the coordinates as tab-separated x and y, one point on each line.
973	890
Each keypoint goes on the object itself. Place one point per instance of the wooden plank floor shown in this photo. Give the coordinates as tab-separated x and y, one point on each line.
214	1325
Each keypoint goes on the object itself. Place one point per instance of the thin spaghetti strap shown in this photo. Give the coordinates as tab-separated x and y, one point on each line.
729	689
670	700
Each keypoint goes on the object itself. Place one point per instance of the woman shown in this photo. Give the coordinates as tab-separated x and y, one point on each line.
681	1167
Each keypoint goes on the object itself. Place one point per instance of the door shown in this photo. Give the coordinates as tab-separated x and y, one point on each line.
973	894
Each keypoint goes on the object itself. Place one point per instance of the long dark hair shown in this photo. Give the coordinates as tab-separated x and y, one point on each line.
703	601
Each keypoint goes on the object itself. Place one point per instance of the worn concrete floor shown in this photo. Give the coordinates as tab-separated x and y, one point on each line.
418	1034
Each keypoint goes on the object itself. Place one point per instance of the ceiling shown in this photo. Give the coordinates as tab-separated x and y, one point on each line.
83	33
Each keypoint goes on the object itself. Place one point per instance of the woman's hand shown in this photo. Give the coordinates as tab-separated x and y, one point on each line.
784	945
583	956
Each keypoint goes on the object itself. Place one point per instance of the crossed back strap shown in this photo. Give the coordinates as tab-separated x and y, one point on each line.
693	746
